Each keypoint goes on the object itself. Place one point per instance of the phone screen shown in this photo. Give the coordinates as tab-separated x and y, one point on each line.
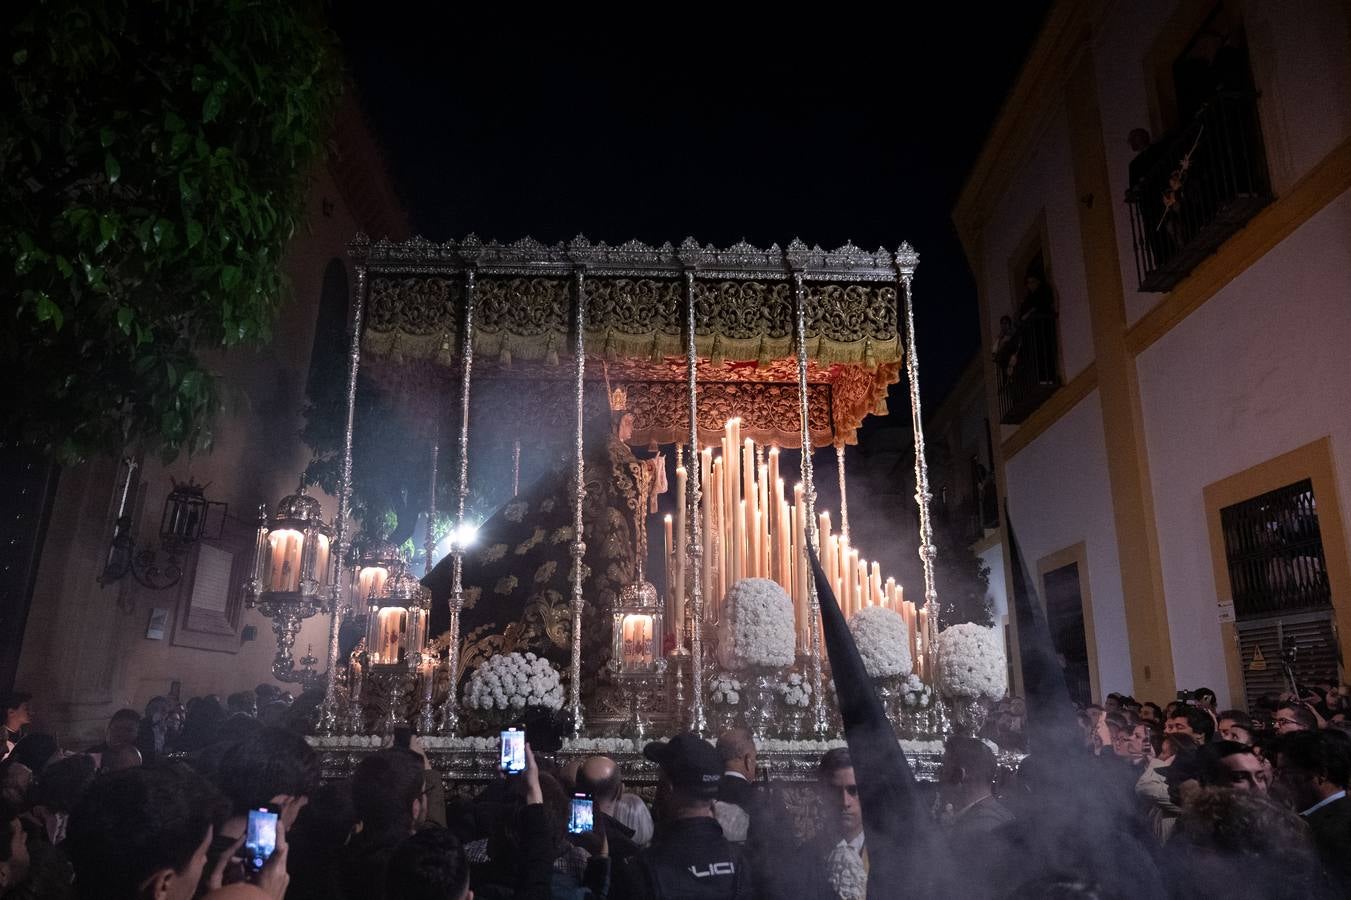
261	838
513	751
582	815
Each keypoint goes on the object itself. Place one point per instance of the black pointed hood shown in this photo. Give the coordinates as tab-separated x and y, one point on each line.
893	816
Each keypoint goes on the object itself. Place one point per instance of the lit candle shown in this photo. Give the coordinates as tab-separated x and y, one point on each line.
775	484
669	558
736	509
749	494
921	645
800	559
842	565
801	594
912	623
875	570
742	535
891	593
708	537
863	598
846	579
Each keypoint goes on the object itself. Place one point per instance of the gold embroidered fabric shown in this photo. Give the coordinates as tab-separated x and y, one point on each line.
528	318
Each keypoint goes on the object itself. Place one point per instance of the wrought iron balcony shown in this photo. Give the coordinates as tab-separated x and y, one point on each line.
1031	373
1197	186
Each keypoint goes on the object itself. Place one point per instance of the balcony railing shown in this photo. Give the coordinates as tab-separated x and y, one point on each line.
1192	190
1031	373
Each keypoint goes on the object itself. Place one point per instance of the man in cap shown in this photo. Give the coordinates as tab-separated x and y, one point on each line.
689	857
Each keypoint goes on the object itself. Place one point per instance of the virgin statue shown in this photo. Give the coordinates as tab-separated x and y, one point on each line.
517	578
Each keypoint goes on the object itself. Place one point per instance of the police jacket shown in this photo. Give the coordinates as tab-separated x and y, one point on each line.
690	860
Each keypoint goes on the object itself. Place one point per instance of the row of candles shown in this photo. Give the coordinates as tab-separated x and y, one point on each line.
752	530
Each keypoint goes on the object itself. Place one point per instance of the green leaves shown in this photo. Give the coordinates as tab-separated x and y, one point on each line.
48	311
155	170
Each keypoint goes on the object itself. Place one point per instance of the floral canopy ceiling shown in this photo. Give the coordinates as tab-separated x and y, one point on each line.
635	314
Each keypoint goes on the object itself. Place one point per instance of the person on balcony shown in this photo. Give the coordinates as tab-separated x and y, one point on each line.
1036	328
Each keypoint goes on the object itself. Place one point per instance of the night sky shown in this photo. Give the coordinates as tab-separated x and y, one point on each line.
861	127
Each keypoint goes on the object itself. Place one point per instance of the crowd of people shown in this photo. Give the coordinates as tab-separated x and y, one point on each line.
1185	801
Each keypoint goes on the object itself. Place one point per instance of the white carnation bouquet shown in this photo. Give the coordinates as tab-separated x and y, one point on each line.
971	663
915	693
724	690
511	682
759	629
795	691
883	641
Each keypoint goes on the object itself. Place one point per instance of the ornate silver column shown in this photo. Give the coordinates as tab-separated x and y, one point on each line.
907	260
695	547
342	535
579	500
429	545
450	717
809	494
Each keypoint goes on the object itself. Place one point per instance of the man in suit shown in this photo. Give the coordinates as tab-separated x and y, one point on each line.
1313	767
737	749
965	786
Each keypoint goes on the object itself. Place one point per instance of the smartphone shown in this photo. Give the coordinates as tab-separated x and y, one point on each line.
513	752
582	815
403	737
260	839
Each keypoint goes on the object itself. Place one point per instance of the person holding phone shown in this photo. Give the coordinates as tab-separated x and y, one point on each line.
274	770
599	777
145	833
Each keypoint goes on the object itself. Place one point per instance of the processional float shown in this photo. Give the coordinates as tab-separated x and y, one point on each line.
723	352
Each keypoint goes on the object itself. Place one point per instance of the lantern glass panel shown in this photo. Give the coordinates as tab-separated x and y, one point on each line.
184	517
321	561
639	641
369	580
284	548
391	641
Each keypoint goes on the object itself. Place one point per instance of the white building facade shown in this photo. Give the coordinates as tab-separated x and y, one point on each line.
1170	428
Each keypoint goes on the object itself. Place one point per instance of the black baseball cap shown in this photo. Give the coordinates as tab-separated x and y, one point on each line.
692	763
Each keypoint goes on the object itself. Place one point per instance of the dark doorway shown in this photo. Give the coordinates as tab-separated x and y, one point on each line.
1065	615
27	485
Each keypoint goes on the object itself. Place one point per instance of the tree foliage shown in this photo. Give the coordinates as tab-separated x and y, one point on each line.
154	158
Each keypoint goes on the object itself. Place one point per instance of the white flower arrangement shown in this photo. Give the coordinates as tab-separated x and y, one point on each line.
512	682
759	629
883	641
796	691
915	693
724	690
971	663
